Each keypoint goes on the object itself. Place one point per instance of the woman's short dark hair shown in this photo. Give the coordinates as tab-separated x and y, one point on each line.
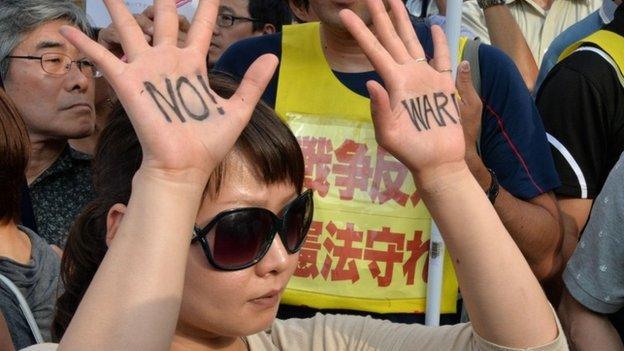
266	144
14	150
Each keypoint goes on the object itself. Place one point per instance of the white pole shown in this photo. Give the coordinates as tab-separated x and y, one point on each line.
436	247
434	282
453	30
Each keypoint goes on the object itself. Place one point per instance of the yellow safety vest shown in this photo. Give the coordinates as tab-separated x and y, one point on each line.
610	43
368	247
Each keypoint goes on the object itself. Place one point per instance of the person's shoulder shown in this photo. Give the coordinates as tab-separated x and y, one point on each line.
573	34
241	54
589	66
615	181
42	251
491	57
262	44
590	62
498	71
34	237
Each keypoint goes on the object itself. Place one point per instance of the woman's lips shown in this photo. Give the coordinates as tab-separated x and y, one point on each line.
268	300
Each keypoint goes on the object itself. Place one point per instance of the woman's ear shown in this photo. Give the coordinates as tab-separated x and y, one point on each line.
113	219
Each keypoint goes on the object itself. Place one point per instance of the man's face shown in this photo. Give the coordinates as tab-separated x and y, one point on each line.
327	11
224	36
53	106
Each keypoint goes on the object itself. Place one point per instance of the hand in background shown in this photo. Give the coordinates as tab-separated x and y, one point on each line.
109	38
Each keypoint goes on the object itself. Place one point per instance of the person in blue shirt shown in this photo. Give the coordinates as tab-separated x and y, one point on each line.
513	151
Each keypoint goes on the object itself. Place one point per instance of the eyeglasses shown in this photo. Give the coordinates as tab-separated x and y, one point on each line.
60	64
239	238
226	21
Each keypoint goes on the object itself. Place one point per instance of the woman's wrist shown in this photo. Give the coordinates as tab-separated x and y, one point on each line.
440	178
189	180
173	193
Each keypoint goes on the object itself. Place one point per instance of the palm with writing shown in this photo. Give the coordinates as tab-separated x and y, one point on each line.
415	116
183	126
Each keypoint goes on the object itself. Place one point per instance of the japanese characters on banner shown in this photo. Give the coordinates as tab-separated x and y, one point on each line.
99	17
370	237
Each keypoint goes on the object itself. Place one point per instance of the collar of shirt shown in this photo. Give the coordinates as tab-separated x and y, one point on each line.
66	161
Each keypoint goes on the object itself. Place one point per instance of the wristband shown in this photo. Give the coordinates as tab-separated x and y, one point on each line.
484	4
492	192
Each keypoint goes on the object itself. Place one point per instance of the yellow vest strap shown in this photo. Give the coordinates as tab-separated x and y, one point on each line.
610	43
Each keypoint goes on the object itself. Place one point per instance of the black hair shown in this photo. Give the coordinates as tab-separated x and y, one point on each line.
274	12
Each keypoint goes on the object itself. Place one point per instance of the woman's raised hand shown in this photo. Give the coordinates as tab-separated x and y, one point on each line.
417	120
416	116
183	126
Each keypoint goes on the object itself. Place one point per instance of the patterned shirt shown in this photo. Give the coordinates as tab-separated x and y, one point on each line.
594	275
59	194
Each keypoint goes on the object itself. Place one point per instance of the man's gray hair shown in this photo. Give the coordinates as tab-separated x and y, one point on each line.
20	17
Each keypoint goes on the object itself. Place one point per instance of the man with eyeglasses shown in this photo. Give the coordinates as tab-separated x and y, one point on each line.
52	86
240	19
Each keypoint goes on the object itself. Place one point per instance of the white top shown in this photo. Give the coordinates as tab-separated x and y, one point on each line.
354	333
539	27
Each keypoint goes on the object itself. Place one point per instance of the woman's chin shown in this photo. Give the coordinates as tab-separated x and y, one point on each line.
259	322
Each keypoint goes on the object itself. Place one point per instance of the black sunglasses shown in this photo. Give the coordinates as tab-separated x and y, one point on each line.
239	238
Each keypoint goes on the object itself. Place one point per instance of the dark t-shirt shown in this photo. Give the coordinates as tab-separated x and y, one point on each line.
513	142
582	105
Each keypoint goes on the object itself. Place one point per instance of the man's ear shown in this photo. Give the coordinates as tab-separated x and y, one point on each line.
301	14
268	29
113	220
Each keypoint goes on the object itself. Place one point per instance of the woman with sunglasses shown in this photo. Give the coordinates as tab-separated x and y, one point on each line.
229	264
151	292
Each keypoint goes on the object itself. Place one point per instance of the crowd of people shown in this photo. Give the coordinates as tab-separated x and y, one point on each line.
266	175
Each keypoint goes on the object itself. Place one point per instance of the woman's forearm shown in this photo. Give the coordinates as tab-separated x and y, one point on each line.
506	303
136	293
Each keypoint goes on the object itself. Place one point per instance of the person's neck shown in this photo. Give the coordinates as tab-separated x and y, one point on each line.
14	243
43	153
343	52
183	341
